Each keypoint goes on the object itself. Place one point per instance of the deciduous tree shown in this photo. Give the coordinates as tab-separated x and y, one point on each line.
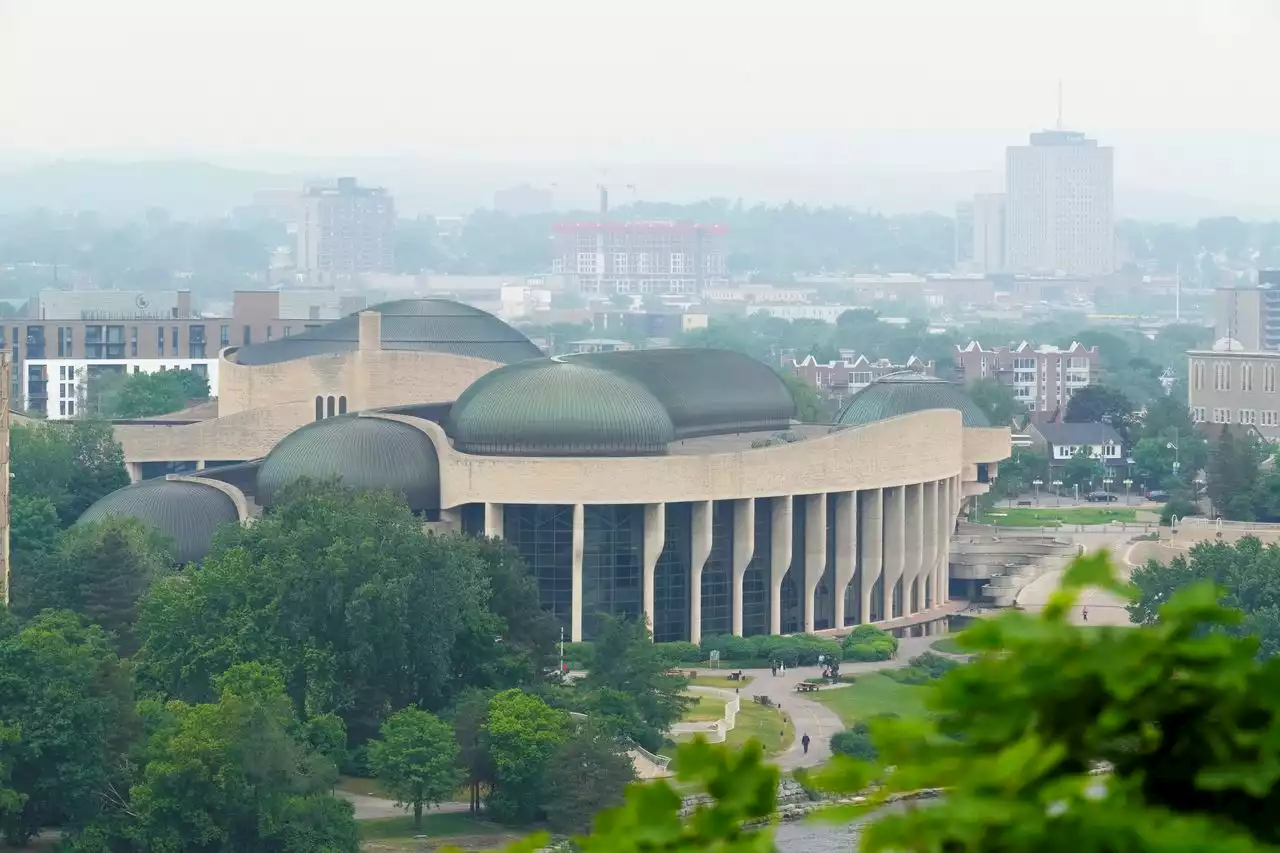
587	774
522	734
416	759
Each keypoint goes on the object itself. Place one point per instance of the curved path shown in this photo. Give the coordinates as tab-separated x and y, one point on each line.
1103	608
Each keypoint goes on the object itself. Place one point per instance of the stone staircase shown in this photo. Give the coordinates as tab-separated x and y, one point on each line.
997	564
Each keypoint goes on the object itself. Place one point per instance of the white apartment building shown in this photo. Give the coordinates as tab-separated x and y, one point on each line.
825	313
1060	205
69	378
1042	378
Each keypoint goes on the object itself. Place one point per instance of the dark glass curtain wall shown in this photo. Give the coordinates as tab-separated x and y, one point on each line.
853	592
756	580
671	577
824	600
543	536
612	560
793	582
717	573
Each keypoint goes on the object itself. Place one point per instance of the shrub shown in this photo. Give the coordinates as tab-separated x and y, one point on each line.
793	650
855	743
579	655
868	643
679	653
923	669
1179	507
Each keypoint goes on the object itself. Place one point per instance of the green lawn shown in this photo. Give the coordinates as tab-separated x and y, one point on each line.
706	709
366	787
948	646
766	725
457	830
1054	517
870	696
720	681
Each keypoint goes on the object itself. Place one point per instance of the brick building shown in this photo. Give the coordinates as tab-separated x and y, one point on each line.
1043	378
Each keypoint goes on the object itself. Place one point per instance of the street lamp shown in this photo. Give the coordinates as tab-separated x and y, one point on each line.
1106	485
1037	483
1128	484
1200	482
1057	493
1076	486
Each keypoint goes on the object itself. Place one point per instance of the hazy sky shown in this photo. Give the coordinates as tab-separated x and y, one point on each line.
1181	87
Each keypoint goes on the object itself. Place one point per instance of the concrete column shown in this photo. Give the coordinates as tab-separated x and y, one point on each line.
913	573
871	510
134	470
493	518
369	331
655	539
779	559
846	545
929	560
815	552
744	548
199	464
575	612
701	549
895	543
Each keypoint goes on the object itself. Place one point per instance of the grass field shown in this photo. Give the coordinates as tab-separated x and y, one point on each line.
948	646
765	725
457	830
870	696
1054	517
366	787
706	709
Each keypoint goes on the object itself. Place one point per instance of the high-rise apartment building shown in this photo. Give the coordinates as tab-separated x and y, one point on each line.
345	230
1060	205
1043	378
1250	316
641	257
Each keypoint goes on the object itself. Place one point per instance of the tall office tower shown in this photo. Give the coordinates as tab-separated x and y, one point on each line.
989	224
344	230
964	235
1061	206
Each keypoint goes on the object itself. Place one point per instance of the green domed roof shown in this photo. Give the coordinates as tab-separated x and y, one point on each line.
903	393
551	407
363	452
186	513
422	325
705	391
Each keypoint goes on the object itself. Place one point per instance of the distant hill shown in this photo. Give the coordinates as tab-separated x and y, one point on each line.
191	189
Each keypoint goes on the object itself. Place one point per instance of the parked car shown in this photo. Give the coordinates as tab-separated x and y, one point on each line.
1158	495
1101	498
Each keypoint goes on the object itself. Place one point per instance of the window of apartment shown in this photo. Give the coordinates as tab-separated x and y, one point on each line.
288	330
174	340
201	370
677	263
133	341
1248	416
861	378
113	337
1269	418
65	347
195	342
1077	363
1222	376
1269	378
1021	363
1197	414
1197	375
224	336
248	335
160	340
1246	378
1222	416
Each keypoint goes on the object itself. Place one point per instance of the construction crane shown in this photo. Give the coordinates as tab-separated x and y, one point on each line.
604	196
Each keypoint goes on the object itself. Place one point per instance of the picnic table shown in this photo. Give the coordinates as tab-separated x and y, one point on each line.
806	687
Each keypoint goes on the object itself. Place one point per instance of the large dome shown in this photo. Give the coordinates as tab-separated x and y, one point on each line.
364	452
559	408
904	393
423	325
185	512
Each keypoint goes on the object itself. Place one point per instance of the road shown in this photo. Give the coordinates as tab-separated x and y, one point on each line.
1095	606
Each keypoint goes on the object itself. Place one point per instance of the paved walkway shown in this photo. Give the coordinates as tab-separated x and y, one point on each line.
814	718
375	808
1103	608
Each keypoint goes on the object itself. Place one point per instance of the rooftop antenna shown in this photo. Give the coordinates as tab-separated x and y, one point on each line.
1059	104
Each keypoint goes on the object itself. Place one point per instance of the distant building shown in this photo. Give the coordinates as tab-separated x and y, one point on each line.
344	230
600	345
641	257
1042	378
851	375
1250	315
1234	382
667	325
965	238
523	200
980	233
1060	205
1061	441
825	313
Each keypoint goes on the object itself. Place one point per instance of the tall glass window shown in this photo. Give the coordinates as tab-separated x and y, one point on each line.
853	593
928	588
915	596
897	598
877	599
717	573
755	582
472	517
793	580
612	560
824	599
671	577
543	536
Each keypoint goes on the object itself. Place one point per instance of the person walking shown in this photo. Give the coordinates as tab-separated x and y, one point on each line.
1085	614
804	742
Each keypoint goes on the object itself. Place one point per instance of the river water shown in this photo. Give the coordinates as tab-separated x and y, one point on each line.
809	836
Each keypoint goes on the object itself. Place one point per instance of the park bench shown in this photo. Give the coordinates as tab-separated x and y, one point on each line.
762	700
806	687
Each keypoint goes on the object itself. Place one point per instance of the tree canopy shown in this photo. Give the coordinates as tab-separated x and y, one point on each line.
996	401
69	465
416	758
145	395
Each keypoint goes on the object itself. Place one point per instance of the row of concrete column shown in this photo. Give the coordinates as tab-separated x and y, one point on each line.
914	522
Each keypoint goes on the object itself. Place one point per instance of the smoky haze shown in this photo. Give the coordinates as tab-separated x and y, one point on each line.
822	100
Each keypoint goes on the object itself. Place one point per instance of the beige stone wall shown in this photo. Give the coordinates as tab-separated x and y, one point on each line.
911	449
368	379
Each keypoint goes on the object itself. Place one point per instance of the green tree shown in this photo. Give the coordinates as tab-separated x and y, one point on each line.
1019	472
809	406
996	400
522	735
11	802
869	643
71	466
1100	404
1083	470
587	774
416	759
99	571
344	594
228	777
33	530
71	699
856	743
1232	474
628	661
1153	459
470	715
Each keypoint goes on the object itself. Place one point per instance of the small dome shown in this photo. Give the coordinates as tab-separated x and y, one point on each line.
1227	345
363	452
186	513
559	408
903	393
